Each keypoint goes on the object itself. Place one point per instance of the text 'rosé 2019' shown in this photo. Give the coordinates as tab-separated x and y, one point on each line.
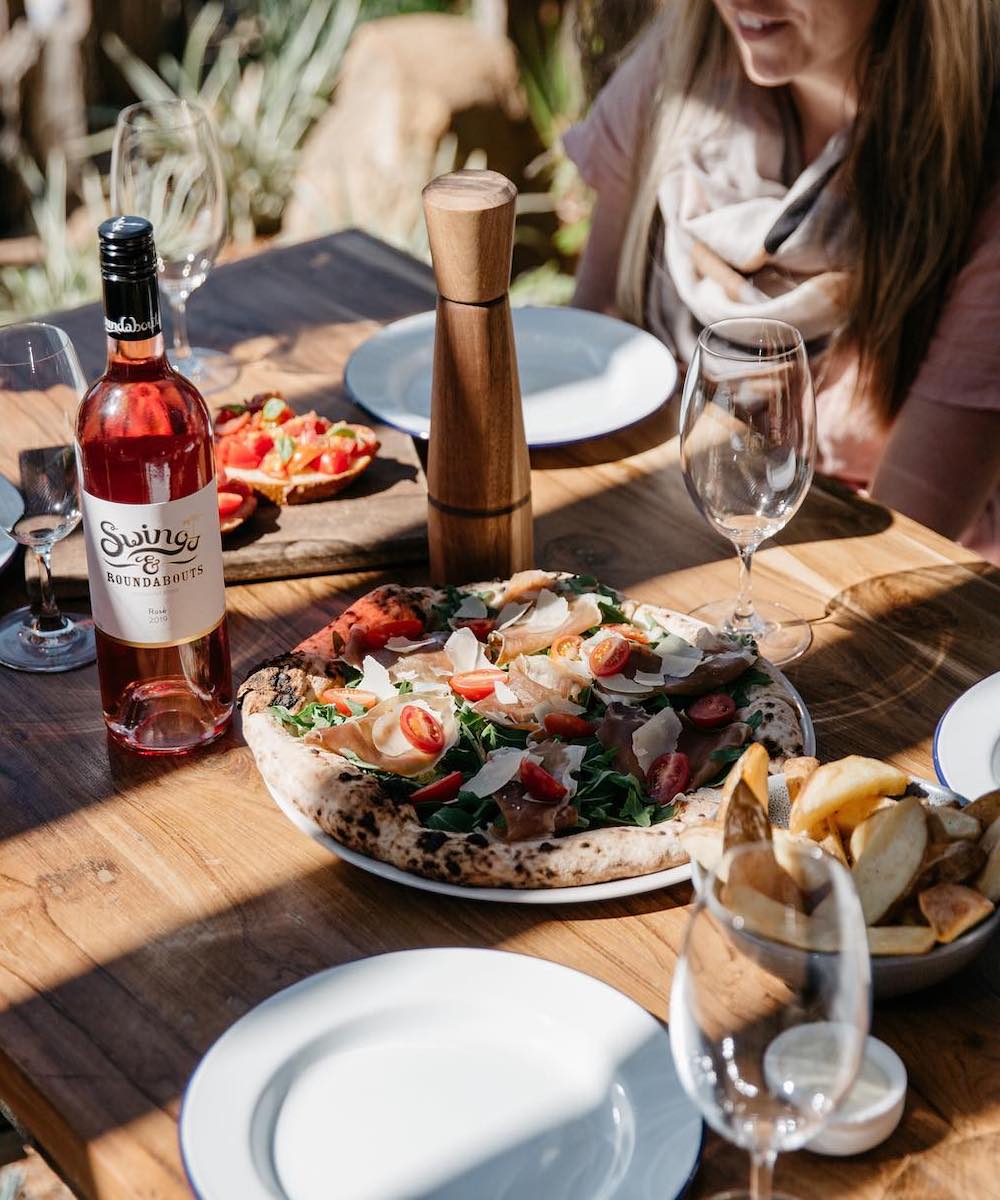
151	525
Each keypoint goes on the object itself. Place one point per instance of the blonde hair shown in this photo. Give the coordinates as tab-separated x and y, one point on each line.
915	172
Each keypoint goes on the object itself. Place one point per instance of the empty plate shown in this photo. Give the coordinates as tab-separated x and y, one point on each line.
443	1075
967	740
583	374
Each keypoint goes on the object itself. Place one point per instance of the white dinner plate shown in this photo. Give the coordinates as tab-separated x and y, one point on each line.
450	1074
11	507
611	890
967	740
582	374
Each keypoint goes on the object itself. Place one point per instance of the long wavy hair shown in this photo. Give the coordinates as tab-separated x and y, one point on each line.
920	158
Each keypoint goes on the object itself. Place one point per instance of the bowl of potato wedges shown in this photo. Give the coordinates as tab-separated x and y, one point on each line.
925	861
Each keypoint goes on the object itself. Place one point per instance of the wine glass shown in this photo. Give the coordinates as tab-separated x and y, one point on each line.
165	166
40	386
748	447
768	1034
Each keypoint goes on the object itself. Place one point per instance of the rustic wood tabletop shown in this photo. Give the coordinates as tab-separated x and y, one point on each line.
144	906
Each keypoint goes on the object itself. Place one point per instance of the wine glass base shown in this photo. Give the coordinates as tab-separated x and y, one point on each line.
208	370
781	634
25	648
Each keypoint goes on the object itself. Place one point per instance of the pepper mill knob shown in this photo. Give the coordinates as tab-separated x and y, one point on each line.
470	227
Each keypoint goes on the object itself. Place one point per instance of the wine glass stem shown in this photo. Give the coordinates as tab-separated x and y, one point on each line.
50	618
743	613
178	309
761	1174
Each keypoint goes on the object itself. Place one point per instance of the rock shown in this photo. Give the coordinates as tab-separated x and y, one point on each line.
417	95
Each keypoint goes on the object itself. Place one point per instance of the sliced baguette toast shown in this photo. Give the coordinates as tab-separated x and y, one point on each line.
302	488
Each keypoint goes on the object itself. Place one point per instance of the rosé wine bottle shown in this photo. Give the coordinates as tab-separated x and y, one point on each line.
151	521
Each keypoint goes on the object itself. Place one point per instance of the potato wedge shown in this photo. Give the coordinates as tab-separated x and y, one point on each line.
768	918
890	862
796	772
849	817
758	868
703	844
988	879
951	909
859	838
991	837
900	939
751	769
836	784
828	836
949	862
746	818
808	874
951	824
986	809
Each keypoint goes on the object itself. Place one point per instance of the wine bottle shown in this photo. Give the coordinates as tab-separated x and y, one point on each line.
151	522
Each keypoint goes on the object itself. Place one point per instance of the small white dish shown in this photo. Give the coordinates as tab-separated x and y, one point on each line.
441	1075
873	1106
583	374
967	740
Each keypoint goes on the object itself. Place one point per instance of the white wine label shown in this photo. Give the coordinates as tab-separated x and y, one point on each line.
155	569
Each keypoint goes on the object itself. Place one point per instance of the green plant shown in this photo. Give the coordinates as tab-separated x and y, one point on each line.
264	81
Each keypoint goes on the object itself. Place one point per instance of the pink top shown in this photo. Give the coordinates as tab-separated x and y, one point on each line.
961	368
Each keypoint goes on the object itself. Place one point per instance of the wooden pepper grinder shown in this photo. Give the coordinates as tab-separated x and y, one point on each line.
479	479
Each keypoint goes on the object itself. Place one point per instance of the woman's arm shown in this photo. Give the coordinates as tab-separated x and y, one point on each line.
941	464
597	274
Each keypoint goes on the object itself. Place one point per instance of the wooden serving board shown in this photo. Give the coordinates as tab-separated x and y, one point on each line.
288	329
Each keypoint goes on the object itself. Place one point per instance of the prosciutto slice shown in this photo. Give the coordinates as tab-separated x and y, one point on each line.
528	819
521	638
534	680
700	744
368	737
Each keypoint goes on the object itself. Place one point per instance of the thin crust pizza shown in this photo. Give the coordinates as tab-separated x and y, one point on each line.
540	731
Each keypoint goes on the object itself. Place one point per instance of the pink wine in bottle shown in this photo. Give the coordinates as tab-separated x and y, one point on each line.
151	521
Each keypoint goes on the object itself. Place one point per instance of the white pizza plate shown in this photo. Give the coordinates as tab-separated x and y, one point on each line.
611	890
967	740
582	374
441	1075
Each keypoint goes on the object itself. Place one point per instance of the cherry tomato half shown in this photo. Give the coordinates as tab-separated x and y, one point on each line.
440	791
609	656
568	725
229	502
482	627
476	685
632	632
567	645
376	635
668	775
333	462
421	729
343	698
540	784
711	711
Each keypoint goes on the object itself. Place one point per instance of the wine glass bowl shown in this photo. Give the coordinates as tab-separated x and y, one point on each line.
768	1037
748	448
165	166
40	386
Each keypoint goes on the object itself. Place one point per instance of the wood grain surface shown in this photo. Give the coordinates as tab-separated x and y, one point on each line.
146	906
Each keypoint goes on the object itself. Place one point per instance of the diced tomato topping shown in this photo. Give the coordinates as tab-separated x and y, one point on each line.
712	710
566	646
440	791
540	784
608	656
568	725
258	441
229	421
668	775
476	685
343	698
377	633
421	729
482	627
303	456
273	464
235	453
229	502
333	462
632	632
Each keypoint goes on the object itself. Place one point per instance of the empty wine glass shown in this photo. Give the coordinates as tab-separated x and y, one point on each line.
769	1006
165	166
748	447
40	387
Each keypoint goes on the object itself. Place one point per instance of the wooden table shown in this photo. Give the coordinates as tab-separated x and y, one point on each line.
145	906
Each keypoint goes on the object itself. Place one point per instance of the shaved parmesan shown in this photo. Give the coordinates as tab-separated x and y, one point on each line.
375	679
649	678
550	612
657	736
499	769
678	657
505	694
620	683
472	607
510	613
466	652
600	636
556	705
402	645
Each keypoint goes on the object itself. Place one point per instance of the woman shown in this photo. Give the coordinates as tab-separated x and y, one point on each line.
831	163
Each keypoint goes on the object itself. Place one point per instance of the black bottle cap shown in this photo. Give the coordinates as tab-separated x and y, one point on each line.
128	252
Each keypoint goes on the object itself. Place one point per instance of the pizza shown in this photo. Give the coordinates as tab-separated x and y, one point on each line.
539	731
289	458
